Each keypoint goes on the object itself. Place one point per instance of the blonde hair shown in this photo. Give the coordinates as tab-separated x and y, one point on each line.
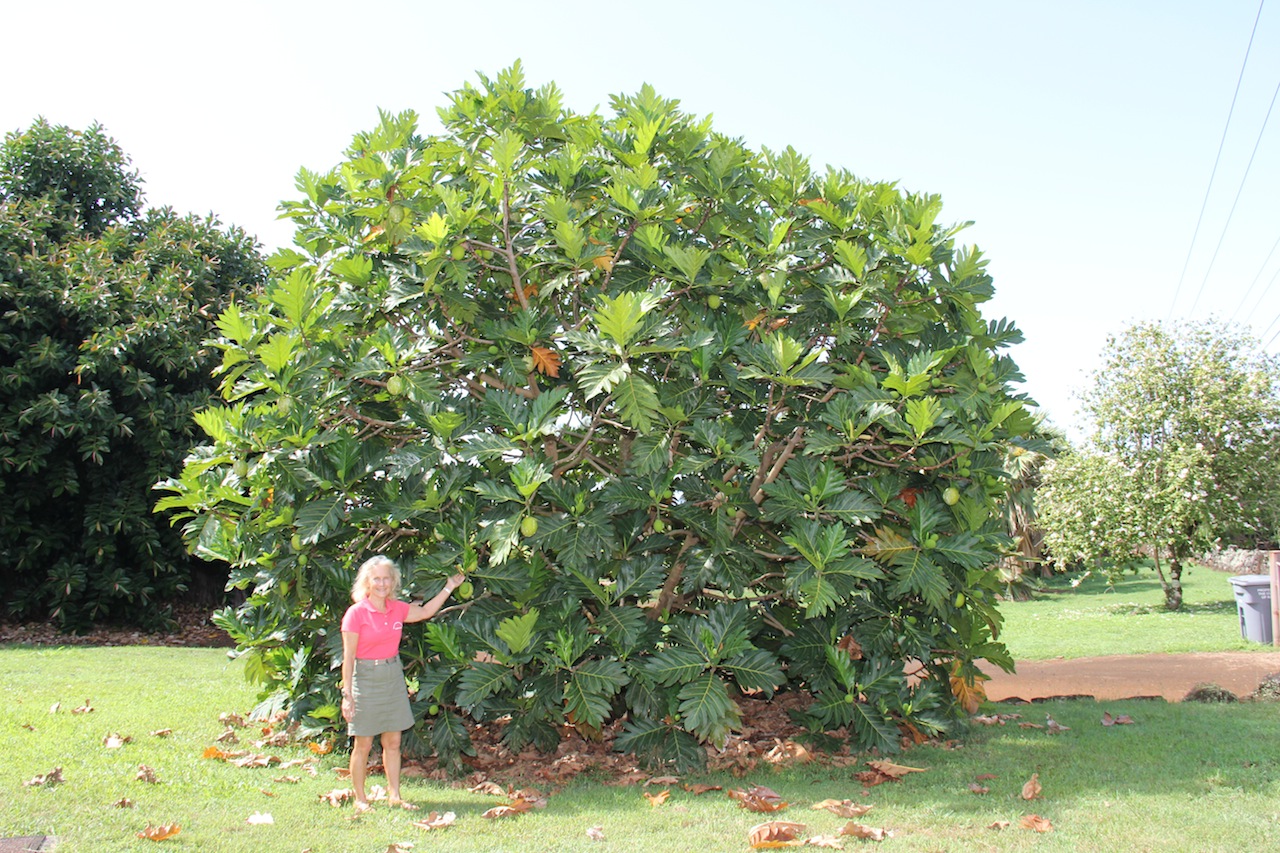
360	588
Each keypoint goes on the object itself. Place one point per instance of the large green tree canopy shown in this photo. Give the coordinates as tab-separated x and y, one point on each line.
696	420
104	308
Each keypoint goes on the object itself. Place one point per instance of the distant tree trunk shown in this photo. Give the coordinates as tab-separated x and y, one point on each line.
1173	589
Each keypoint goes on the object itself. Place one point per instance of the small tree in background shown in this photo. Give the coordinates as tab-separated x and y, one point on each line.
1183	457
696	421
103	314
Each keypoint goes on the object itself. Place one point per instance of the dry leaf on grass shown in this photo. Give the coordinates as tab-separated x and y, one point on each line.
662	780
162	732
227	718
775	833
160	833
758	798
260	818
338	796
698	789
999	824
55	707
1031	789
292	780
511	809
228	736
1030	726
595	833
842	808
867	833
321	748
829	841
493	789
146	774
1036	823
123	803
436	821
1122	720
657	799
53	777
115	741
86	708
29	727
787	752
975	788
255	760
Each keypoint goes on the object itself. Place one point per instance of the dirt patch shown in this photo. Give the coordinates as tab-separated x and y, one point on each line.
1169	677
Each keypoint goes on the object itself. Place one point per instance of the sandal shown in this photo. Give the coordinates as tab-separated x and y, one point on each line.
402	804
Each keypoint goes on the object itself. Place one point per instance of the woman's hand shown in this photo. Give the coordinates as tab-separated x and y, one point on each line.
348	706
454	581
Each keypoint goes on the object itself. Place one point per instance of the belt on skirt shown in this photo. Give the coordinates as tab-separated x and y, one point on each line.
379	662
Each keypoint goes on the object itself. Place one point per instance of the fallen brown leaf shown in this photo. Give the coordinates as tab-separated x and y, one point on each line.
123	803
515	807
868	833
436	821
160	833
842	808
1036	823
260	818
321	748
975	788
229	719
292	780
1031	789
657	799
1122	720
758	798
162	732
595	833
699	789
146	774
493	789
983	777
115	741
86	708
663	780
29	727
787	752
338	796
53	777
775	833
829	841
228	736
55	707
999	824
896	771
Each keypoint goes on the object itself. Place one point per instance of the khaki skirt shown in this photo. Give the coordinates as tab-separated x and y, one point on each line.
380	697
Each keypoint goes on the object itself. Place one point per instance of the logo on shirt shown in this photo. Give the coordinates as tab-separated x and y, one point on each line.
398	625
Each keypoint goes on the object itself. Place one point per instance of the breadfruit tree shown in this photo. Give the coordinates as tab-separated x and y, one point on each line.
696	421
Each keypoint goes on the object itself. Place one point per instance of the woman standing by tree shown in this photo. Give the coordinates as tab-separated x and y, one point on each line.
374	698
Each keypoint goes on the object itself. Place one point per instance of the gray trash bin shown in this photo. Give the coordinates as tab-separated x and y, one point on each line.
1253	601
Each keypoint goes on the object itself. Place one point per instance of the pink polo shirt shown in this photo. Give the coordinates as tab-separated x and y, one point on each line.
379	633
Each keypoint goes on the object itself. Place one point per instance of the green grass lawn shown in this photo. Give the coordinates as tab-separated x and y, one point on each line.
1094	619
1183	777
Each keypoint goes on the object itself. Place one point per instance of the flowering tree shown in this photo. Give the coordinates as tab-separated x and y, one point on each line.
1183	456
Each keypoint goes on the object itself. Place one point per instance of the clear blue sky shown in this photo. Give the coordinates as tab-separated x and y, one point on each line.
1078	137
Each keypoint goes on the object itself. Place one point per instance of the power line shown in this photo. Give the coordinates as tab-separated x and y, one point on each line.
1239	190
1249	290
1216	160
